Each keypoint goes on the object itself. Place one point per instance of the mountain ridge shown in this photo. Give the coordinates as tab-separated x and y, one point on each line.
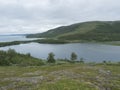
88	31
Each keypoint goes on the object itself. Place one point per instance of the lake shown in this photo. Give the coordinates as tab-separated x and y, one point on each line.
89	51
9	38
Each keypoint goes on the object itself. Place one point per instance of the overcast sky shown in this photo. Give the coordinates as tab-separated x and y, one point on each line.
32	16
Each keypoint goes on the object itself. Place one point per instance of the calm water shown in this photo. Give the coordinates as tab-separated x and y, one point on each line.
90	52
9	38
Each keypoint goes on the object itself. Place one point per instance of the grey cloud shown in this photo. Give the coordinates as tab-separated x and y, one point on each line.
27	16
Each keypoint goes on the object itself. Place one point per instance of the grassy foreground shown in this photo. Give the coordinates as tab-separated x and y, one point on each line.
67	76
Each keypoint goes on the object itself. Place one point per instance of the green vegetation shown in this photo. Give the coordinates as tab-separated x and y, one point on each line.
45	41
2	44
51	58
51	41
73	56
107	32
12	58
23	72
67	76
88	31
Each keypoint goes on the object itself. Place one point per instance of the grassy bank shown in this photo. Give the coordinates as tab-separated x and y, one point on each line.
61	77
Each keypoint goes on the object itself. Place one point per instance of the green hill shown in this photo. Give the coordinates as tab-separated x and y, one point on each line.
88	31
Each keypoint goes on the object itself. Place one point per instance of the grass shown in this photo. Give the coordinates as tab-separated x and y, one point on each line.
67	84
60	77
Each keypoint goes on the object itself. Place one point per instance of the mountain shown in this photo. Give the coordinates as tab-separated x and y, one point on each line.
88	31
13	34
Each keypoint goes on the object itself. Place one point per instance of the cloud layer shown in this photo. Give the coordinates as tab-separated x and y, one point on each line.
32	16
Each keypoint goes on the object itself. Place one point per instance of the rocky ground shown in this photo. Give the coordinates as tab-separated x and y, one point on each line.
57	77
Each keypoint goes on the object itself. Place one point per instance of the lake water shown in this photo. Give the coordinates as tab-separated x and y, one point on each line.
9	38
88	51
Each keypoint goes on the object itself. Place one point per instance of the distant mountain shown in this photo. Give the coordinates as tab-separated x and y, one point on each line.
13	34
88	31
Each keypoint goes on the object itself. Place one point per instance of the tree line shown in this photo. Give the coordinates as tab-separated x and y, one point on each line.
11	57
73	58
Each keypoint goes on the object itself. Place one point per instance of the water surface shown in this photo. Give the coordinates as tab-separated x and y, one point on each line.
9	38
88	51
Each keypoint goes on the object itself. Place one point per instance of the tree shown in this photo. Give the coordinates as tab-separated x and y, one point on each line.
4	59
73	56
104	62
11	53
81	60
28	54
51	58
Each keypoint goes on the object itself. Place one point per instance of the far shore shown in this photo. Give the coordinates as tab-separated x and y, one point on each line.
56	41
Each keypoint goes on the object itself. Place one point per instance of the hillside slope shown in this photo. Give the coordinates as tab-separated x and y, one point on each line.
88	31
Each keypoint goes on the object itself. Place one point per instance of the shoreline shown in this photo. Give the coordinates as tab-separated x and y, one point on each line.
56	41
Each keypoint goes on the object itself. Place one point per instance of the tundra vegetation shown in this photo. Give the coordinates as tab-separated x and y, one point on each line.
23	72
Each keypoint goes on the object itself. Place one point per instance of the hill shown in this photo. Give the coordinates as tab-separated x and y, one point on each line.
88	31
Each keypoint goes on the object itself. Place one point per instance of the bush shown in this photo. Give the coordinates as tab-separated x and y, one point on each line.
11	57
51	58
